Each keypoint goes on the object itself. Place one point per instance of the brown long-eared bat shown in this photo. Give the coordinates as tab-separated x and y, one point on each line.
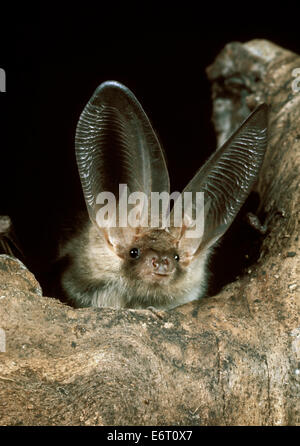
117	264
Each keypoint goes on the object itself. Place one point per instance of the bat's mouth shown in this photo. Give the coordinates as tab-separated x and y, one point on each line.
161	274
160	277
157	279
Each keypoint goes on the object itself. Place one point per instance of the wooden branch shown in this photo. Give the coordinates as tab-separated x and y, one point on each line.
229	360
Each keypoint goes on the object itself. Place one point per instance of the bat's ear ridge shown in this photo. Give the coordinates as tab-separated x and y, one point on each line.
227	177
260	115
115	144
110	84
111	90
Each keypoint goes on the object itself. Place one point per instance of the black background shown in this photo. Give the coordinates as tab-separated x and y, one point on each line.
55	59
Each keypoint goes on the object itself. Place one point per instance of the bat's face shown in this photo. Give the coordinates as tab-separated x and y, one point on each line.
153	259
150	268
153	268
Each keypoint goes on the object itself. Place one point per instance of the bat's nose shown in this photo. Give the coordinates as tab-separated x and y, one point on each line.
162	264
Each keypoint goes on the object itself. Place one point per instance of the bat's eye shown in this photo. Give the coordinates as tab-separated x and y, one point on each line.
134	253
176	257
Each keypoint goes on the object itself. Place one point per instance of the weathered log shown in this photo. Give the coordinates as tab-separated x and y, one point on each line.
233	359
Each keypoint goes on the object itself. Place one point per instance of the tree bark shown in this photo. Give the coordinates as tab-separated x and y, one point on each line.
233	359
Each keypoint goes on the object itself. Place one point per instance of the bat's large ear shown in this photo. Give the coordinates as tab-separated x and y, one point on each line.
116	144
226	180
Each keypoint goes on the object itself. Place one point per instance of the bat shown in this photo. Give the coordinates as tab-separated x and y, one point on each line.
111	264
